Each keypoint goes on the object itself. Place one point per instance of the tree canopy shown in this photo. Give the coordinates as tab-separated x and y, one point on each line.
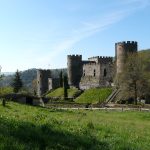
17	82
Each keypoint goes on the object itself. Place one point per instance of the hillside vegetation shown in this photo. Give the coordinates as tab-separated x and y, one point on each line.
95	95
59	92
145	55
25	127
5	90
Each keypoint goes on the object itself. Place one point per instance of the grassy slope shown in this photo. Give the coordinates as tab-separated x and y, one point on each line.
60	92
94	95
26	127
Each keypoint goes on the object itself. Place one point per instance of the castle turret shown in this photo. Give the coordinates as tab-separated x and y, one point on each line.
74	63
42	81
122	50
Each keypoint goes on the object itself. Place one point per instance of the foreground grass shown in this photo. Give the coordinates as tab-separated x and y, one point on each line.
95	95
59	92
25	127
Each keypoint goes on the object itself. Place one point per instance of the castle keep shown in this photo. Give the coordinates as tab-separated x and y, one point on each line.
95	72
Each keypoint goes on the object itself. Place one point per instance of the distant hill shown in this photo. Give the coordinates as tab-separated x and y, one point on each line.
27	77
8	73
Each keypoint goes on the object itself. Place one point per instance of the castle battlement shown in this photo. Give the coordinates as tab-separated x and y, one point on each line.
127	43
74	56
101	59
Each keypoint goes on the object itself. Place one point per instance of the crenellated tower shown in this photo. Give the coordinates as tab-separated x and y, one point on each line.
122	49
42	81
74	64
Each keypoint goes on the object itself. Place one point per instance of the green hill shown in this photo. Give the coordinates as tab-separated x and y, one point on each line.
59	92
25	127
95	95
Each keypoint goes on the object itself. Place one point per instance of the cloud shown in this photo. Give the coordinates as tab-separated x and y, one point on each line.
91	27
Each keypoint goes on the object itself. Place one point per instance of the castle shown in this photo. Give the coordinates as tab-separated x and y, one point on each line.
84	74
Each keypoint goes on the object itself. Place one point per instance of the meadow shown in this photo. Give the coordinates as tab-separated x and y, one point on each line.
26	127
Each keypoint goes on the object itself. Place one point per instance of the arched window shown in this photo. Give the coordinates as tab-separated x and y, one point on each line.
105	72
94	72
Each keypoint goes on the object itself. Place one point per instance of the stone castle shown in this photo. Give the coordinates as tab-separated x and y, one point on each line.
84	74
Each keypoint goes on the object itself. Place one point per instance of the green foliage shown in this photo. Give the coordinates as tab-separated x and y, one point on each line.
26	127
61	79
59	92
17	82
6	90
132	80
145	56
95	95
65	86
4	102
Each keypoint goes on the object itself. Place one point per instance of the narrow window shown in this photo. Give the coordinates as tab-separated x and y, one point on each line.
83	72
94	73
105	72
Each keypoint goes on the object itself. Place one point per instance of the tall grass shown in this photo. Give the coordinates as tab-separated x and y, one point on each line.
26	127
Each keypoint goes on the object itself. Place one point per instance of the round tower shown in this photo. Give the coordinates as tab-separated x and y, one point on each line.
42	81
122	50
74	64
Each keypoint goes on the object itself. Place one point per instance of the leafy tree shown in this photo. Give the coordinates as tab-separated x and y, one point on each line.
61	79
17	82
65	87
132	80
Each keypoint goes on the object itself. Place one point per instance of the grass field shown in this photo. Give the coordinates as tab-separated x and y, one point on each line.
95	95
26	127
60	92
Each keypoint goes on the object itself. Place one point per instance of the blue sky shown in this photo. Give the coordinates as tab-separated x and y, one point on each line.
41	33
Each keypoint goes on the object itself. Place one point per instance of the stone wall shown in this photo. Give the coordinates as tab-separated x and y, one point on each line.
75	70
98	73
42	81
53	83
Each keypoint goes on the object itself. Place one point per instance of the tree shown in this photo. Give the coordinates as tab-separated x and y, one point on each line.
61	79
132	81
65	87
17	82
